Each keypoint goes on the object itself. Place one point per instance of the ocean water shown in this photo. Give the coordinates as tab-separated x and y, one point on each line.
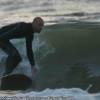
71	35
53	11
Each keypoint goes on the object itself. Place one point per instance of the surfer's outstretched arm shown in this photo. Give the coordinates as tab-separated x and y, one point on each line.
30	53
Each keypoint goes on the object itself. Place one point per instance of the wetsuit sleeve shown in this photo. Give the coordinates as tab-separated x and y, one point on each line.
30	53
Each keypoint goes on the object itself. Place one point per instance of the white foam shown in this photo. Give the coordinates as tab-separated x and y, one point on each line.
69	94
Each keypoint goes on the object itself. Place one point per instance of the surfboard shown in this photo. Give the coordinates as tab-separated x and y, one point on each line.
15	82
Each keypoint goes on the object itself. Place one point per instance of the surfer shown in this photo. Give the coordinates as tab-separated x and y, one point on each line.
17	31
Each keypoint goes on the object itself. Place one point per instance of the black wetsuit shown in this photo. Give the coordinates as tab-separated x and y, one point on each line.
16	31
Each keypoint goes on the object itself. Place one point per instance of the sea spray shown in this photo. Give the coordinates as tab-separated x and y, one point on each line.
41	47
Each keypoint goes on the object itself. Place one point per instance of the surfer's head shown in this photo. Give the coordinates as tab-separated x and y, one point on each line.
37	24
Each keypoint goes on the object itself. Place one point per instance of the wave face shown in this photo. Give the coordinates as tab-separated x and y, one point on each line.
74	39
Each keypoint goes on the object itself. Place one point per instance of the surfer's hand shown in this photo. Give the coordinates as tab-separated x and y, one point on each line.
35	70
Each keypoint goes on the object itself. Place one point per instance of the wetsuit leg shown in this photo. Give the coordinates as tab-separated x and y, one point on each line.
13	58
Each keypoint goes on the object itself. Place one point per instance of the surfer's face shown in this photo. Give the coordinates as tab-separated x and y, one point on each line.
38	24
38	27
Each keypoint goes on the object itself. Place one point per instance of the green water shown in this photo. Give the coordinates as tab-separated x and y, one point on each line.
74	43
